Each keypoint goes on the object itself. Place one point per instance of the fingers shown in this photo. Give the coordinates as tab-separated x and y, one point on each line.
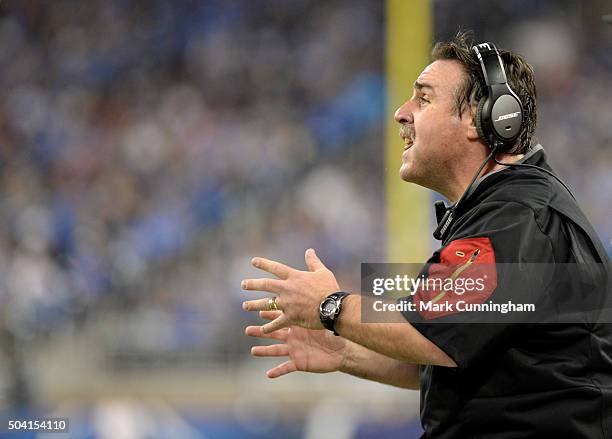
312	260
280	322
270	285
269	315
255	331
276	350
273	350
282	369
276	268
260	304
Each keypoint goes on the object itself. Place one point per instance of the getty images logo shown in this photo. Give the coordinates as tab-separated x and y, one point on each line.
508	116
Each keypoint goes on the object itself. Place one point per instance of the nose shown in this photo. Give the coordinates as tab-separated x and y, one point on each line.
403	114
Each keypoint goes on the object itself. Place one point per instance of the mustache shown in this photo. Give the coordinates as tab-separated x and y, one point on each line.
406	132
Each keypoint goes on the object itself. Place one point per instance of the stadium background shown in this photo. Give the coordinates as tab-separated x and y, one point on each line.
148	149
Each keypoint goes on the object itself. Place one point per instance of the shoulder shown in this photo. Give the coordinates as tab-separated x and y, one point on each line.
507	199
531	190
511	210
528	187
511	228
531	216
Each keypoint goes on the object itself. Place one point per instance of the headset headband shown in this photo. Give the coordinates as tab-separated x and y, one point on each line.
490	63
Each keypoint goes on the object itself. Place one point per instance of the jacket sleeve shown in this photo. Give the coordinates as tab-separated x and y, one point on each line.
496	240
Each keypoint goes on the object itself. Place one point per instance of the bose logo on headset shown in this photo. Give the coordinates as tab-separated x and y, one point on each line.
507	116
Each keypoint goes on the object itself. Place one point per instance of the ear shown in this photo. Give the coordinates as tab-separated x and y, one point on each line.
472	132
470	123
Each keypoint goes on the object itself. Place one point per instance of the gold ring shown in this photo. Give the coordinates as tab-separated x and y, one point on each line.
272	306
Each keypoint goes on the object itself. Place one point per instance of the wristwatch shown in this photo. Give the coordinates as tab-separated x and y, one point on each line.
330	308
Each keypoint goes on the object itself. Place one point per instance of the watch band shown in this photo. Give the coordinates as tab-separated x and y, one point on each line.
330	321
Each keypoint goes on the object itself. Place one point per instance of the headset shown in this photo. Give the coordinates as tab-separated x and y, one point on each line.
499	116
499	120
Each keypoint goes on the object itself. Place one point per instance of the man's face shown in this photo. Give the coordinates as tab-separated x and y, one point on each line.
434	135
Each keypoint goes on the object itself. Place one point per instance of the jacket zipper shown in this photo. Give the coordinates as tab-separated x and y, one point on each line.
457	272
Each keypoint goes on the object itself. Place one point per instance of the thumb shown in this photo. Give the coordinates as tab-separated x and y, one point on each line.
312	260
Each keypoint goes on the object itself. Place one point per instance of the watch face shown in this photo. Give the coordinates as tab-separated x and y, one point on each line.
329	308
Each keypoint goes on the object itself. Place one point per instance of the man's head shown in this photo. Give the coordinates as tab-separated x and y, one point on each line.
440	116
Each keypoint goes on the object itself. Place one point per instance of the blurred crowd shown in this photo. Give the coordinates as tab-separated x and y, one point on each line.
148	149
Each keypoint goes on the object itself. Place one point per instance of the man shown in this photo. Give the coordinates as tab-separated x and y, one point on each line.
503	380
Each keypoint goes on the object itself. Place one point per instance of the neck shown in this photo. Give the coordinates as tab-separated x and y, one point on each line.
460	184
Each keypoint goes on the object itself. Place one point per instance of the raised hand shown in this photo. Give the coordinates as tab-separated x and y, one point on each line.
299	293
308	350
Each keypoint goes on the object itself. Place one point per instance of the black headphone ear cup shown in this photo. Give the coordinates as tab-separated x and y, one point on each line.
479	121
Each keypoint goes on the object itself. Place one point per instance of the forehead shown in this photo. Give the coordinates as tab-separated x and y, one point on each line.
443	75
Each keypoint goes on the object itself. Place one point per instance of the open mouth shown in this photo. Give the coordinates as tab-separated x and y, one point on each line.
407	135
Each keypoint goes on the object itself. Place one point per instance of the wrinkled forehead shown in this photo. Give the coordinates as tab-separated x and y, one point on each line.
442	77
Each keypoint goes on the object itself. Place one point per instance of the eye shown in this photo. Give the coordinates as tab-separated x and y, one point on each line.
422	100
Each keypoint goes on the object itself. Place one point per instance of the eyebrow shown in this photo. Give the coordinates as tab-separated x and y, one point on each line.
421	85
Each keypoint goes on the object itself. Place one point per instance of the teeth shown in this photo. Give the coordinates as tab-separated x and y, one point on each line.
408	140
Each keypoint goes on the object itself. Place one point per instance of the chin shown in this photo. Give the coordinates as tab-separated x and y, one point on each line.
409	173
405	173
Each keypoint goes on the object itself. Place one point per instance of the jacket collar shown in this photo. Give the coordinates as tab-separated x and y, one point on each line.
535	155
